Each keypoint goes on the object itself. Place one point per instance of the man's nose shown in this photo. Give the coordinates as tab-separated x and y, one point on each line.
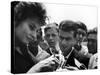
63	41
51	37
81	35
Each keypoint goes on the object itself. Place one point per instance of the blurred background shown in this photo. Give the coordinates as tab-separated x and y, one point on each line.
58	12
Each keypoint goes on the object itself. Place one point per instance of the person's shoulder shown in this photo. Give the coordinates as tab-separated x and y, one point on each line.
93	61
94	57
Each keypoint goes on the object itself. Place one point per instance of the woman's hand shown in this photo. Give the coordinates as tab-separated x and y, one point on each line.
45	65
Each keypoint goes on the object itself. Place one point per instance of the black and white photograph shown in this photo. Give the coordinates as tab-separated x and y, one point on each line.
53	37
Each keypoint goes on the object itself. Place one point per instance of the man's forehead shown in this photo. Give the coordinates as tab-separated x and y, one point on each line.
65	34
81	30
52	30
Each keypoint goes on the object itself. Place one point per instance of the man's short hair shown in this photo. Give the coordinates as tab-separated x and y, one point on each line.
82	26
25	10
47	28
92	32
68	25
50	26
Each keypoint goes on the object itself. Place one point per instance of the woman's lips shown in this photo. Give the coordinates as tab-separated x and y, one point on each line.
29	38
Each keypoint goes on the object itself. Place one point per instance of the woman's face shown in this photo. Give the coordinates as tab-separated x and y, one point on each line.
26	30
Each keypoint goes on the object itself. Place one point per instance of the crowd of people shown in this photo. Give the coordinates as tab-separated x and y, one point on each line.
42	47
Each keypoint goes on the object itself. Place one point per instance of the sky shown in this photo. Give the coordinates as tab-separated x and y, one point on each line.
59	12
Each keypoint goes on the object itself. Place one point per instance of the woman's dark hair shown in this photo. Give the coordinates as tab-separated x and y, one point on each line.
25	10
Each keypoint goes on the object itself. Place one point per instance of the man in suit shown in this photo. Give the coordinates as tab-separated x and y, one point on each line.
67	35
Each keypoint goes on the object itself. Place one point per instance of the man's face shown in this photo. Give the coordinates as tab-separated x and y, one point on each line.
51	36
92	43
67	41
81	35
26	31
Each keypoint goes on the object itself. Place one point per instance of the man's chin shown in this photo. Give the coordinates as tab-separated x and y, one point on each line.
51	44
65	49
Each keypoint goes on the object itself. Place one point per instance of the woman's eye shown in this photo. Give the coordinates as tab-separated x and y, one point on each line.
53	35
68	39
61	38
32	27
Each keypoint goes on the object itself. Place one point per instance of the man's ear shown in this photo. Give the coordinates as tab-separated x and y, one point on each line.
44	38
75	41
